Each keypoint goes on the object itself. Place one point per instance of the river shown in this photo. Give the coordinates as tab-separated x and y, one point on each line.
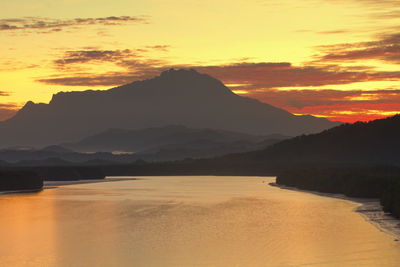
187	221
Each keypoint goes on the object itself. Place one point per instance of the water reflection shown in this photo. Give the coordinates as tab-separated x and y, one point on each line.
187	221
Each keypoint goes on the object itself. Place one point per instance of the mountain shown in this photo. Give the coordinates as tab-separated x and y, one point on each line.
204	149
157	137
153	144
362	142
176	97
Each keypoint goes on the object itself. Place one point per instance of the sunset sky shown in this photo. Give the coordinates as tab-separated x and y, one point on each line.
338	59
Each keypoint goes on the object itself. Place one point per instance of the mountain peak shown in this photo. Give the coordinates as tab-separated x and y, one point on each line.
183	82
186	76
28	105
179	72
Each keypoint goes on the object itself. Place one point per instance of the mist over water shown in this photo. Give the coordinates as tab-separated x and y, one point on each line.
187	221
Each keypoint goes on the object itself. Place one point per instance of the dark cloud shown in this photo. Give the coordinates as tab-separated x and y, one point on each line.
163	48
333	32
252	76
274	75
352	112
327	97
262	81
126	58
48	25
134	62
337	105
87	79
340	31
135	69
4	93
85	56
386	48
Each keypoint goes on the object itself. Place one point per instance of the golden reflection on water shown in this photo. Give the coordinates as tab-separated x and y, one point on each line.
187	221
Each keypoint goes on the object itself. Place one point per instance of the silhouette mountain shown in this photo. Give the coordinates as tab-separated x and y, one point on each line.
362	142
176	97
154	138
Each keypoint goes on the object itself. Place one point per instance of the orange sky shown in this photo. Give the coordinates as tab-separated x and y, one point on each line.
337	59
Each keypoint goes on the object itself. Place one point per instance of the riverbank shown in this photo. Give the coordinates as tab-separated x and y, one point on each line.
55	184
20	191
369	208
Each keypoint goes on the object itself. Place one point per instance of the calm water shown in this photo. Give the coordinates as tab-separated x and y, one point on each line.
187	221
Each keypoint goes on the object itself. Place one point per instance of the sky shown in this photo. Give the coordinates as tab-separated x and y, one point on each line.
337	59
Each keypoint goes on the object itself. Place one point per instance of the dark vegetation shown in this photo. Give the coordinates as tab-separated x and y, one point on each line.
375	142
381	182
139	168
15	180
358	160
69	173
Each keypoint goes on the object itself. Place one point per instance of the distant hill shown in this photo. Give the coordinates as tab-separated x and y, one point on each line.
152	139
362	142
57	149
153	144
208	147
176	97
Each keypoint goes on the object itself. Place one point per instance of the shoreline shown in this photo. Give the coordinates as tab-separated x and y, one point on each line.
24	191
55	184
368	208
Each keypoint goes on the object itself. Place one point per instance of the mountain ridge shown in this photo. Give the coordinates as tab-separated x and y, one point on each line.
155	137
180	97
119	146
